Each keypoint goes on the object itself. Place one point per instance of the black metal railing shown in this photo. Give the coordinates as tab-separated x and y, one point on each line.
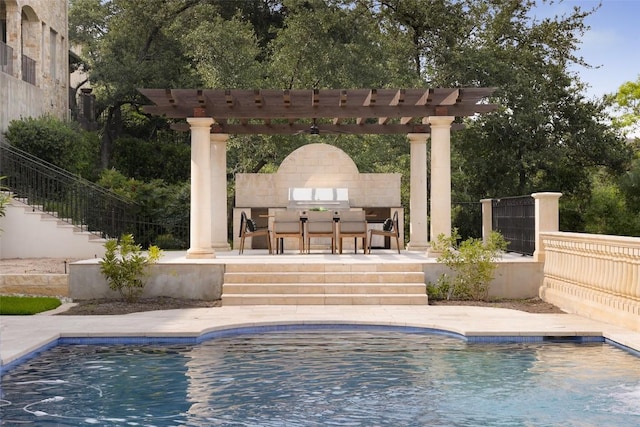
6	58
514	218
28	70
87	206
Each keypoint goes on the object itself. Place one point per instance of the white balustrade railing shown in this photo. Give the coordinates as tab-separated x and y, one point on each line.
593	275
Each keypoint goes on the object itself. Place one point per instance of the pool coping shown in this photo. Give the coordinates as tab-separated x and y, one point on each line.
21	337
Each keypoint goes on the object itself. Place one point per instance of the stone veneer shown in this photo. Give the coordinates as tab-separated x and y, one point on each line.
32	35
317	166
35	284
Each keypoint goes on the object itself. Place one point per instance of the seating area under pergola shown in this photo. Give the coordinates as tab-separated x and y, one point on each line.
214	114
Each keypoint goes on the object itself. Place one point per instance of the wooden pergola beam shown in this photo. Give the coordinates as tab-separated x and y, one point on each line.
388	110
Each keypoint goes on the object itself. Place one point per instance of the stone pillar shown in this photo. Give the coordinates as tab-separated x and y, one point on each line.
201	217
487	218
14	36
440	175
418	240
219	235
547	219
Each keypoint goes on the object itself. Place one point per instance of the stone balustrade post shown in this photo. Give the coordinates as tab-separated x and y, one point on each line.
547	219
487	218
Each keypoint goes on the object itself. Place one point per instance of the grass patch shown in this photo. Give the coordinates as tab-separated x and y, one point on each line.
16	305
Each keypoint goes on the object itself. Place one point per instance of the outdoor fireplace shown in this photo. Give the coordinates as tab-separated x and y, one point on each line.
316	177
318	198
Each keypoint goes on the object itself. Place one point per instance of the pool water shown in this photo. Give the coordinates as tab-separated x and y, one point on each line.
326	377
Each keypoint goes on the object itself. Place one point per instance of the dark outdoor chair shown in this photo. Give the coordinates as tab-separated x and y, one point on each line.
389	229
353	224
287	224
248	228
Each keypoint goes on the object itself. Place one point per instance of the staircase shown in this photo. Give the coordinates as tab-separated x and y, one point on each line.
327	283
31	233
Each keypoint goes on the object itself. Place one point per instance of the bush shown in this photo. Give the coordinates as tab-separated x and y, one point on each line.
56	142
5	197
125	266
169	241
473	263
19	305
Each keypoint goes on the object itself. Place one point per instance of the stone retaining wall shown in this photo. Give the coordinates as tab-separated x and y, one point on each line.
35	284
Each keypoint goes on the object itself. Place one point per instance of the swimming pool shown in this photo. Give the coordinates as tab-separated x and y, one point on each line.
326	377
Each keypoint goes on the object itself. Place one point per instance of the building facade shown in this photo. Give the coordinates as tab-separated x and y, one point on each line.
34	60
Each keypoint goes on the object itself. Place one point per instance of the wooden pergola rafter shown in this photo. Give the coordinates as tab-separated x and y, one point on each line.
350	111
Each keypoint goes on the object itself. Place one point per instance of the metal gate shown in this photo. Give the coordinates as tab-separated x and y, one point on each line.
514	218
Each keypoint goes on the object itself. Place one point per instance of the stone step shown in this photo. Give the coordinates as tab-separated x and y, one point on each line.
323	267
324	288
365	282
322	299
325	277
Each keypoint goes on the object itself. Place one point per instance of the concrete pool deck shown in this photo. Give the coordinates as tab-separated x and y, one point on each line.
21	336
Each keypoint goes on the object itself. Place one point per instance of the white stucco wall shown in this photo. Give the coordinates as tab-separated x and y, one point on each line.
34	235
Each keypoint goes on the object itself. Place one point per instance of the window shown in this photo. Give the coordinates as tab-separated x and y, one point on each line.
53	47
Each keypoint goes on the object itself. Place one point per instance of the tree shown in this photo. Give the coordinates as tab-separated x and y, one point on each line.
626	102
545	137
130	48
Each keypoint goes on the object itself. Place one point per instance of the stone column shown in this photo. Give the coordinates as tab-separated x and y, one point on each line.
219	235
14	36
201	217
418	239
440	175
487	218
547	219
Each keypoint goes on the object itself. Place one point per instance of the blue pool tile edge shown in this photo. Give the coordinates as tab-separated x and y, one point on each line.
237	331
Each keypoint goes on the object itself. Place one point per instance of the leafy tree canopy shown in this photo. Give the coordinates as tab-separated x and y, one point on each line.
546	136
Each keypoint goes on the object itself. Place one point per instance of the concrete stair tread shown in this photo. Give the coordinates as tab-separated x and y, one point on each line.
323	299
327	277
314	283
364	266
325	285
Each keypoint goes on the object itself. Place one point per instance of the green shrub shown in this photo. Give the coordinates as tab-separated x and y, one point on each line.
472	262
5	197
169	241
125	266
60	143
22	305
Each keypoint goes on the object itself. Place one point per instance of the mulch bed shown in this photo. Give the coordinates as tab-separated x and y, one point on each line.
530	305
111	307
106	307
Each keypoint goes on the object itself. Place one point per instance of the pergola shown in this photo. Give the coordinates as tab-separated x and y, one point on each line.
214	114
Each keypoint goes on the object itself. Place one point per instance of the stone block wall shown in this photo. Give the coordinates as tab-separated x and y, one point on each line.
39	30
317	166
